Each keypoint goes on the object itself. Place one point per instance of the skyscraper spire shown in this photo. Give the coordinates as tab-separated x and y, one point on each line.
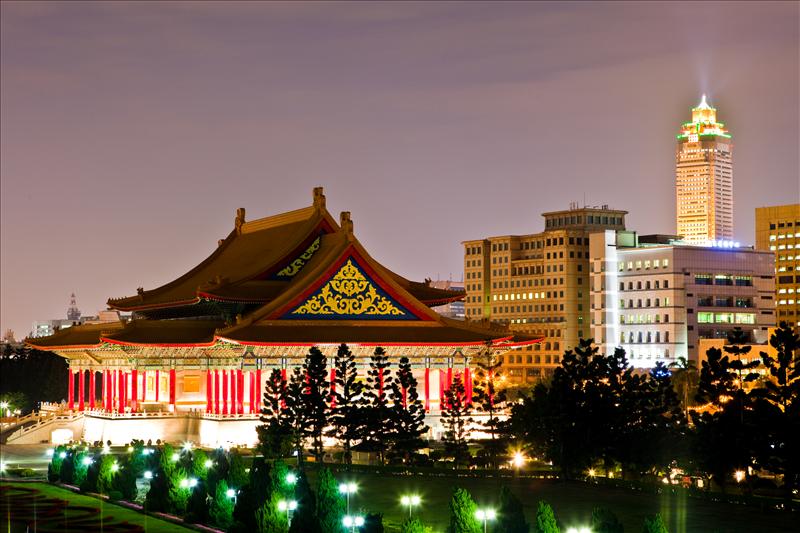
703	103
73	313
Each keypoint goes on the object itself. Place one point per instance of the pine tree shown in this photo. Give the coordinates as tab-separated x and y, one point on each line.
198	465
330	503
124	482
346	412
456	421
237	471
305	518
275	433
378	426
604	521
490	399
545	519
221	510
408	413
295	404
654	525
414	525
197	508
462	513
511	517
315	399
54	468
107	468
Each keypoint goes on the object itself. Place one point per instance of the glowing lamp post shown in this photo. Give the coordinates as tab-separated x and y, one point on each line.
581	529
291	479
353	522
485	516
347	489
231	493
148	474
288	508
410	501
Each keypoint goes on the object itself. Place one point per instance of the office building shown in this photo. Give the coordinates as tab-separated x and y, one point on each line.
778	231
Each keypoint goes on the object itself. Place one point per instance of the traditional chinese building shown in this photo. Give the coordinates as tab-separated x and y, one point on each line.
191	362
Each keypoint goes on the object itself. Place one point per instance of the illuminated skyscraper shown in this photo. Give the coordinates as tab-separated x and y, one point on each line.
704	178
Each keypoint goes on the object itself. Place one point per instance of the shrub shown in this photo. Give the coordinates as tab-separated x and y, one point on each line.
545	519
462	513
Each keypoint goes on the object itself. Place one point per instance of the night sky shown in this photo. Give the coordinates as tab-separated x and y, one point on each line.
132	132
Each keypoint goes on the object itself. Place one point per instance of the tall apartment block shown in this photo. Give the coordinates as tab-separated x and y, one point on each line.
704	178
656	297
778	231
538	284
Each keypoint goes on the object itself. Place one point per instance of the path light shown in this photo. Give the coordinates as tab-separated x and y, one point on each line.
581	529
87	461
175	457
353	522
287	507
347	489
739	476
50	452
148	474
209	463
3	467
62	455
114	467
485	516
518	460
192	483
187	446
184	483
291	478
592	473
410	501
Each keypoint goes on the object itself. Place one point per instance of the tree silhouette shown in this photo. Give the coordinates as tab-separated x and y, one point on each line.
456	422
346	413
408	413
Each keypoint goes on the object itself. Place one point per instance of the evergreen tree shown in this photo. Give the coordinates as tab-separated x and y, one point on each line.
197	508
330	503
67	472
275	433
169	490
408	413
604	521
54	468
346	411
199	465
237	476
654	524
81	462
685	378
108	468
462	513
124	481
221	510
305	518
456	422
778	409
296	405
373	523
414	525
89	483
511	517
490	399
378	422
315	400
545	519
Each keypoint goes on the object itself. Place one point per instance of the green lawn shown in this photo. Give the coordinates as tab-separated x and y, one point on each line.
48	508
572	502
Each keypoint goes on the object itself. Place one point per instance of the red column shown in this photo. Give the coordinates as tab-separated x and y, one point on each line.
158	385
468	386
239	391
449	377
121	392
208	391
232	392
124	390
81	379
92	388
442	387
114	388
216	392
252	394
427	389
224	392
71	391
258	391
109	392
333	387
172	388
134	390
144	385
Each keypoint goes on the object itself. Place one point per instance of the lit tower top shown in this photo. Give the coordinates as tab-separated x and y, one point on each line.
704	123
73	313
704	178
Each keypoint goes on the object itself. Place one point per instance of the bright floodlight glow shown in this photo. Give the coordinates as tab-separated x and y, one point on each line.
2	467
581	529
114	467
4	405
485	514
347	521
148	474
230	493
291	478
184	483
347	488
87	461
50	452
359	520
292	505
187	445
192	482
209	463
282	505
739	475
410	500
175	457
518	460
62	454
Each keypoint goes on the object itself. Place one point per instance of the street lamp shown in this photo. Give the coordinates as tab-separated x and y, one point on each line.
291	478
209	463
582	529
148	474
347	489
485	515
287	507
114	467
410	501
231	493
353	522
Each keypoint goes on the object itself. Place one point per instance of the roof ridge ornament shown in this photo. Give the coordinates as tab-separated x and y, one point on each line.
239	222
346	223
319	198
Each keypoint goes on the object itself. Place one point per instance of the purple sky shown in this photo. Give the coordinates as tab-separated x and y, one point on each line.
132	132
